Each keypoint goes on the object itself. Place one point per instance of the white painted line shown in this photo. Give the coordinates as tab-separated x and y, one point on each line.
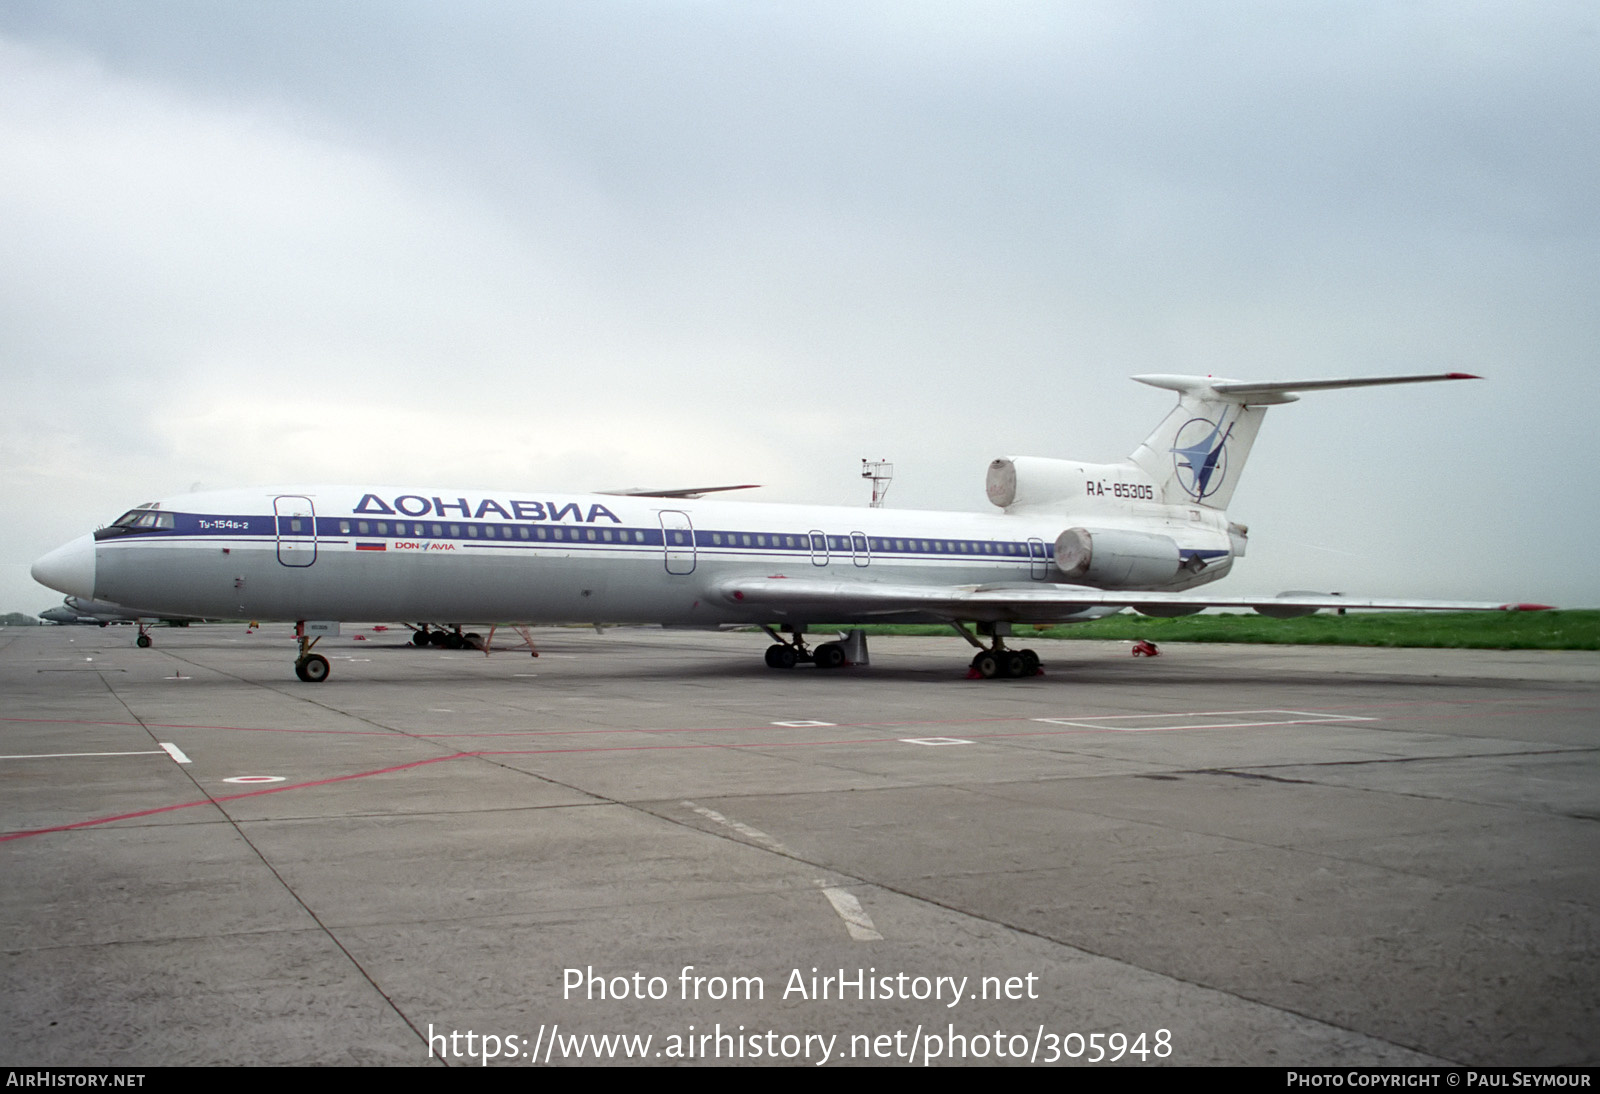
255	779
856	919
740	827
934	741
73	755
1286	718
178	677
802	725
848	908
175	752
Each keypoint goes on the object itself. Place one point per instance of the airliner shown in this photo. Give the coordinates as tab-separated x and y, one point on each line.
1071	541
103	613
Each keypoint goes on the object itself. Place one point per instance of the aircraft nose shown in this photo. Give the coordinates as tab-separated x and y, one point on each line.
69	569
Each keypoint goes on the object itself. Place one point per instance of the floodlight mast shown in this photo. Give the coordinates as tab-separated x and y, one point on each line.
881	472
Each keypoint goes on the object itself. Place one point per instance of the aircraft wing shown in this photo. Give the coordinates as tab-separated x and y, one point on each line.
1034	602
685	492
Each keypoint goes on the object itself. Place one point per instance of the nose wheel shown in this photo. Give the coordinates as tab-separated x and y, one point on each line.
311	667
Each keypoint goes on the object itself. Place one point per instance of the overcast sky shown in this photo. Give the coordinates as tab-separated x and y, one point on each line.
593	245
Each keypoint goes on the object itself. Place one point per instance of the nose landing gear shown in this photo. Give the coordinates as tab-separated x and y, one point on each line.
311	667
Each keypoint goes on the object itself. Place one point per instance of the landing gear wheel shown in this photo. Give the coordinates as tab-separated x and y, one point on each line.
986	665
143	641
781	656
1031	661
473	640
312	668
438	638
421	638
1013	665
829	655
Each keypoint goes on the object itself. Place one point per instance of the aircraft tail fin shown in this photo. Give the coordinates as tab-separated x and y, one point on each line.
1198	451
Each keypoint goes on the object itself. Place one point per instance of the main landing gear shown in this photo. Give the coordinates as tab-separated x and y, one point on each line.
995	661
786	654
144	641
448	639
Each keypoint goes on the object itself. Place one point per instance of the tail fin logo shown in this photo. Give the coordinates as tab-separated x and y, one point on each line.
1200	456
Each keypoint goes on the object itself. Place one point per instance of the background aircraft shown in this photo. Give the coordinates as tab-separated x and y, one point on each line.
77	609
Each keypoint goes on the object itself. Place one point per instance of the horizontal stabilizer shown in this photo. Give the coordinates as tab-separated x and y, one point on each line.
1281	391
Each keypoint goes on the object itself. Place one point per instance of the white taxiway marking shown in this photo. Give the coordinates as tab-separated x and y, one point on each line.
934	741
175	752
740	827
845	904
255	779
856	919
1285	718
802	724
74	755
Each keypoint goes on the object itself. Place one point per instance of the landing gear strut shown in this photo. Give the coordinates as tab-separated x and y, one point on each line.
310	667
830	655
144	641
995	661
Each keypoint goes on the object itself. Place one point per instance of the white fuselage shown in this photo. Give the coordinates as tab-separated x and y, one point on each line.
357	553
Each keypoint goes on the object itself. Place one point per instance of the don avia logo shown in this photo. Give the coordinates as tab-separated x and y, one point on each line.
1200	456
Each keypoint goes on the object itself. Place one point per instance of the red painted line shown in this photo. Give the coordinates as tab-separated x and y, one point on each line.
509	733
227	798
236	729
1060	731
510	752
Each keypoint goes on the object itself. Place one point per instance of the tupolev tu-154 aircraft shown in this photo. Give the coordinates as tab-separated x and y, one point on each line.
75	609
1073	541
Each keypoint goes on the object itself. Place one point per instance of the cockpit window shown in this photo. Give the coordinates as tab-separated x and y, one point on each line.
142	519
